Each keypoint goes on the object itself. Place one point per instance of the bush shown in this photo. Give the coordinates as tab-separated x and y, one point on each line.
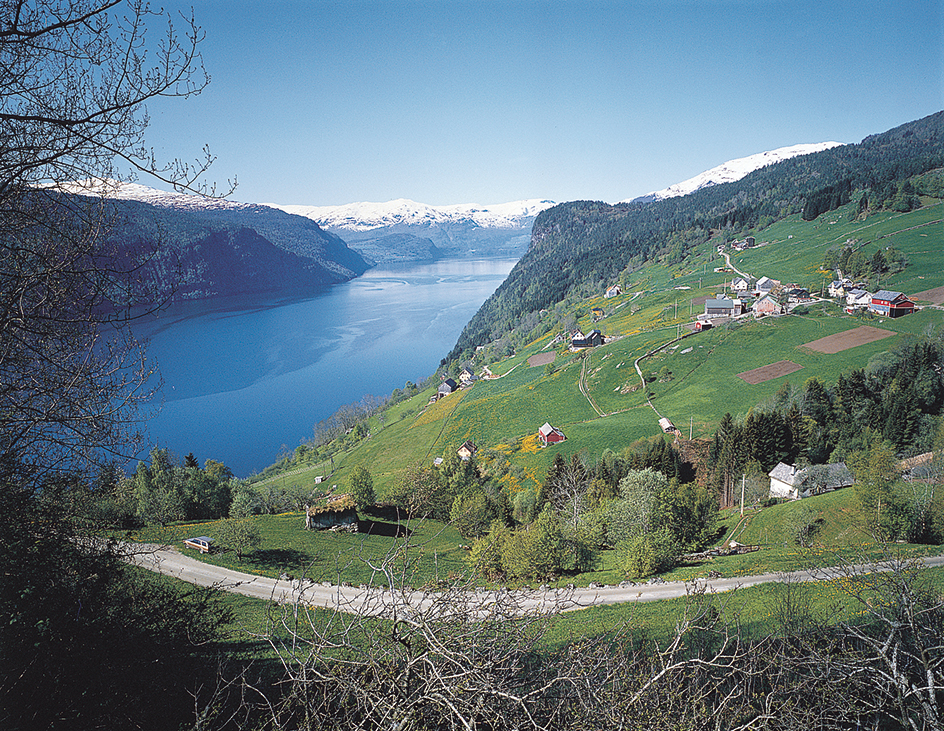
649	554
362	487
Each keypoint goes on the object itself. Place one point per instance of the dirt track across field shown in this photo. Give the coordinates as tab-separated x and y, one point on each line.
541	359
768	372
934	296
848	339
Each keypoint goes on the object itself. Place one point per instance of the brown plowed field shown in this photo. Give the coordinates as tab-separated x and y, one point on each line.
936	296
768	372
541	359
848	339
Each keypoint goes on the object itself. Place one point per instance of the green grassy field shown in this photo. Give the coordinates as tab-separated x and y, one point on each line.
426	551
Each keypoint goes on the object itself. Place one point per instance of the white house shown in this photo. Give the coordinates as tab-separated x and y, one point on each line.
839	287
765	285
858	299
740	284
786	481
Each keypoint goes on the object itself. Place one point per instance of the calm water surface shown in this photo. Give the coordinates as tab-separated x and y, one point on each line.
245	379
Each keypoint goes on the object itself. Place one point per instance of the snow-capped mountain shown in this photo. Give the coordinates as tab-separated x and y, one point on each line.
119	190
403	230
360	217
733	170
226	247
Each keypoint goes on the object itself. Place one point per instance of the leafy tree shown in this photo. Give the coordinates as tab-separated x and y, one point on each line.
648	554
487	551
239	535
423	493
876	471
538	551
690	513
635	513
362	487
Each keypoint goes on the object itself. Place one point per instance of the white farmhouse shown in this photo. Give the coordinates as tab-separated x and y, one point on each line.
786	481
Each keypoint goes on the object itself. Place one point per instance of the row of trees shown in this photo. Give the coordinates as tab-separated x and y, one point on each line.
896	397
856	263
578	513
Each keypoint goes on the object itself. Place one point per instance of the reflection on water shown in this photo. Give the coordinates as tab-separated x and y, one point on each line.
245	377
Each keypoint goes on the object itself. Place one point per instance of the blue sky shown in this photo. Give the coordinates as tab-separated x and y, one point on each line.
325	103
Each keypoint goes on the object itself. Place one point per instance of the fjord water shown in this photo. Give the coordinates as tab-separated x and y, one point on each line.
247	378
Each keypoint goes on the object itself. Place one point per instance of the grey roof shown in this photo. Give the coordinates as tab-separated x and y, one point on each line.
887	294
783	472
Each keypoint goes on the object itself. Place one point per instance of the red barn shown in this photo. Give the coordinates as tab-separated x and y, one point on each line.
550	434
891	304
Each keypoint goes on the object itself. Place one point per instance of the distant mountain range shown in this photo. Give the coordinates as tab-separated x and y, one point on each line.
403	229
732	170
210	247
406	230
217	246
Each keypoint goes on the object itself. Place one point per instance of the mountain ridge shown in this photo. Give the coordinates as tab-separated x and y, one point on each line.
733	170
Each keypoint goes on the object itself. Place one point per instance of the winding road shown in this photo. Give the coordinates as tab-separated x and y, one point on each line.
169	561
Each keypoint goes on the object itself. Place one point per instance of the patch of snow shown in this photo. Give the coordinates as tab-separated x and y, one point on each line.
142	193
733	170
367	216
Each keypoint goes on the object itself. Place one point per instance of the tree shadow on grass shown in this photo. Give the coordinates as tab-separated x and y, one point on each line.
388	530
277	558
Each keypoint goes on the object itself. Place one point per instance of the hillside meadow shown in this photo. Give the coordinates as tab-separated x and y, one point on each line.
595	396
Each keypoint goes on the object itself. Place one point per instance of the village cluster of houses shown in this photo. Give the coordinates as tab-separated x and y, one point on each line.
449	385
769	297
748	243
764	296
885	302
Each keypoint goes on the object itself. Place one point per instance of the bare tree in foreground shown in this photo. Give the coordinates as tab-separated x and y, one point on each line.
461	658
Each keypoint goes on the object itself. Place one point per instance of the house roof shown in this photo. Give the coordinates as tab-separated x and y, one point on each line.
783	472
836	475
887	294
547	430
720	304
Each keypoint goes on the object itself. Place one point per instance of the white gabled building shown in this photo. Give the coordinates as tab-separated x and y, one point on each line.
786	481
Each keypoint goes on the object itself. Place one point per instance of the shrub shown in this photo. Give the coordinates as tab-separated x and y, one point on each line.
648	554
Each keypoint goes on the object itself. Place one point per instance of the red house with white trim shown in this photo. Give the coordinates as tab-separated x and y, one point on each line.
891	304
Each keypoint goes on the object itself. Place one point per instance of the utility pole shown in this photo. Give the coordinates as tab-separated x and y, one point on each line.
742	494
691	427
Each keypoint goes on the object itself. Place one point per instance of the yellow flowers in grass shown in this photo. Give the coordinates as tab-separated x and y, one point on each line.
530	444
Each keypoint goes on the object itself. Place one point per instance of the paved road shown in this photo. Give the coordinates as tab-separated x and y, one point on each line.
169	561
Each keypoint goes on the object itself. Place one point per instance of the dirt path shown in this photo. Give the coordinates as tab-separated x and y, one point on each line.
169	561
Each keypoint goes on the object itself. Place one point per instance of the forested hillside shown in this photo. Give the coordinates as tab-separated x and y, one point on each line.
582	246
